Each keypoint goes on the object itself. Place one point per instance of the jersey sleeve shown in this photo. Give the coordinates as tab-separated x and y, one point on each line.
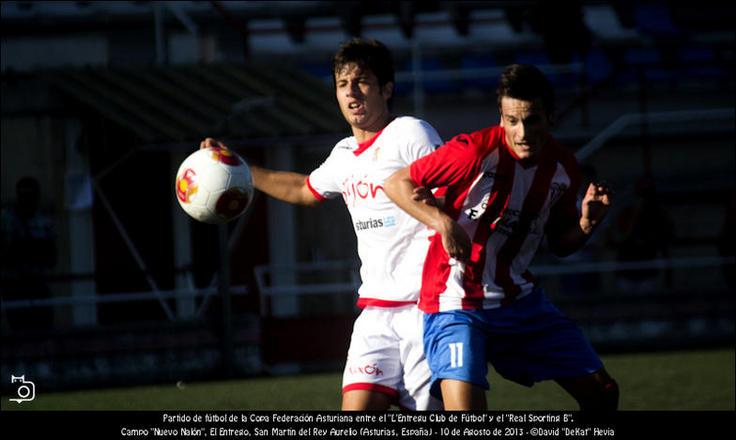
322	182
456	161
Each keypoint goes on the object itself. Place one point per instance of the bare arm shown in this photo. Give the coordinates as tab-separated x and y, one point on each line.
571	238
282	185
401	189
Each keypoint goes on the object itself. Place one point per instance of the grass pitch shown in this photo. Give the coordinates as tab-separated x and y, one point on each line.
684	380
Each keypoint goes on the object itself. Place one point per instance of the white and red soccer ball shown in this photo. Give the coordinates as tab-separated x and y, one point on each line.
214	185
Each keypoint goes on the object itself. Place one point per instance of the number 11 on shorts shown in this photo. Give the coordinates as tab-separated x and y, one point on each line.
456	354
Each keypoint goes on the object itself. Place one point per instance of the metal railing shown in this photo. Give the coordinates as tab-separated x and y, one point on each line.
120	297
564	268
284	281
624	121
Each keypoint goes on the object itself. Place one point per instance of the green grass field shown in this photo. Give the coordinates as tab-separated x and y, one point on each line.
686	380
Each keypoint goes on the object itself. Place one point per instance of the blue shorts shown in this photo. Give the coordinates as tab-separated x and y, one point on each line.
527	341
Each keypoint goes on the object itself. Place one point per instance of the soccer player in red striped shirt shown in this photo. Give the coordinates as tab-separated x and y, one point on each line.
508	186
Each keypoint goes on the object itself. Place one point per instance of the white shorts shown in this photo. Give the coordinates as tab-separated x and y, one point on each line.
386	355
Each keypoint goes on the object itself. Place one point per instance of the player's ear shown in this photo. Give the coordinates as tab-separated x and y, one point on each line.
388	90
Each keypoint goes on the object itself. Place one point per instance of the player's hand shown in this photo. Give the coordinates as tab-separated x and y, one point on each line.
595	205
424	195
211	143
456	241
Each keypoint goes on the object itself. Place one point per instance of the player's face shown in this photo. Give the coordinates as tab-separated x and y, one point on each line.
362	100
526	126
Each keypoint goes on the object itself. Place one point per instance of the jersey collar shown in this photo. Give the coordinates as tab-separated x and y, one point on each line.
362	146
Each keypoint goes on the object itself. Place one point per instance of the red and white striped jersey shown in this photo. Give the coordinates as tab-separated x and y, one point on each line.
503	206
391	244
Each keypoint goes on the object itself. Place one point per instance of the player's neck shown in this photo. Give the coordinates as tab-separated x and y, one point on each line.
365	134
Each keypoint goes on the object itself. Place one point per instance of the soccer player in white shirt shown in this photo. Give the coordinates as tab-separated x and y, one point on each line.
507	186
385	363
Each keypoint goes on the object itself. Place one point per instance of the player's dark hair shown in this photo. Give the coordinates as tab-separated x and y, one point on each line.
367	54
527	83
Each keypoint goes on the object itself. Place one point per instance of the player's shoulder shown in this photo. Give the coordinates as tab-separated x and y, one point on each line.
483	140
345	145
565	157
491	133
409	125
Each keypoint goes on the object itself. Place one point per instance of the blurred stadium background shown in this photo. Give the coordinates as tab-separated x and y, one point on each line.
115	286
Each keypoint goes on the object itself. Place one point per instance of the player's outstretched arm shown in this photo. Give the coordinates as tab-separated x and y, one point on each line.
282	185
401	189
567	240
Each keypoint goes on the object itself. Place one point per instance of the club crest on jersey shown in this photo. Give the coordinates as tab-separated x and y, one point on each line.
186	185
376	152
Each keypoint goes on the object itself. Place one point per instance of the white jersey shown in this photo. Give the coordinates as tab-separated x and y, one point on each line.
392	245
